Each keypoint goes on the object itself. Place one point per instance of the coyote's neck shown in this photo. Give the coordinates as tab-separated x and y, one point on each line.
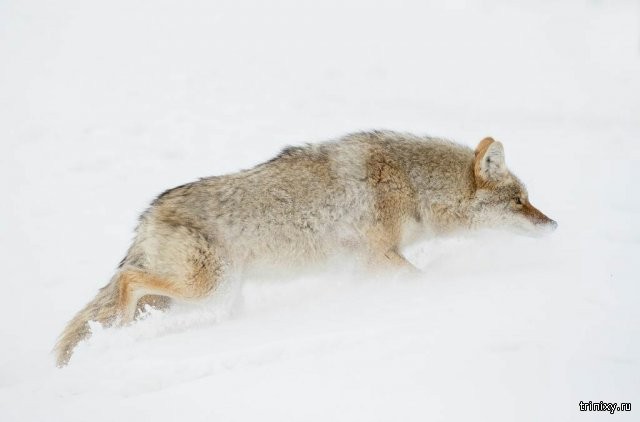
447	205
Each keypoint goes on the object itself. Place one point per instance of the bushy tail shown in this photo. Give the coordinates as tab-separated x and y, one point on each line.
103	308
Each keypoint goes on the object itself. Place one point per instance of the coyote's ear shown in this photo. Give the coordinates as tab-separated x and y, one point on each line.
489	163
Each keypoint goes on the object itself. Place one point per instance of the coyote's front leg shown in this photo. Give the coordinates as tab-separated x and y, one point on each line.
383	254
397	260
390	261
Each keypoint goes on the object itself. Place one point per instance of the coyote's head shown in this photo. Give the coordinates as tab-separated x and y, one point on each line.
501	200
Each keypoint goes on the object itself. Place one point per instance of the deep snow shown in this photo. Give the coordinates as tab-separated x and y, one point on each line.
104	105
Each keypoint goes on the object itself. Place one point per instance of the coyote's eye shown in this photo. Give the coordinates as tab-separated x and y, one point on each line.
518	201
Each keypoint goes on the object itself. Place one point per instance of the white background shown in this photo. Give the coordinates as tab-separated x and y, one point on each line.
103	105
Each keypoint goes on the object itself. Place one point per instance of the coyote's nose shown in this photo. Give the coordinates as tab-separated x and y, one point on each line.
553	225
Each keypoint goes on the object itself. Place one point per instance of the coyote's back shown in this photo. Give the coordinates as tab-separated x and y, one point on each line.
365	195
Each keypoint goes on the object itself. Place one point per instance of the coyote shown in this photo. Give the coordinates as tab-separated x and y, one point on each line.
367	195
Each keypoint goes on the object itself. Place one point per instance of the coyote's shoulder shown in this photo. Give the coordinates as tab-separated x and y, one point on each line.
365	195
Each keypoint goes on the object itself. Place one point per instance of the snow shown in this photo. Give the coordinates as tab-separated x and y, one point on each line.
103	105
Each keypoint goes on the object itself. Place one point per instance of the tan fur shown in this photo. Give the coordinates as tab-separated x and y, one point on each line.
534	214
103	309
394	203
483	145
153	301
479	153
366	195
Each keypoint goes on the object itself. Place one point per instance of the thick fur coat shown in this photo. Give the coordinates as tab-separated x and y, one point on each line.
366	195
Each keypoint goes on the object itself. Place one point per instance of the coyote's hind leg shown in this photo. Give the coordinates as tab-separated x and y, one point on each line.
154	301
134	284
184	266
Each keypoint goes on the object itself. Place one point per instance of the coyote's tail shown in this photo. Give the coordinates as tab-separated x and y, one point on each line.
103	308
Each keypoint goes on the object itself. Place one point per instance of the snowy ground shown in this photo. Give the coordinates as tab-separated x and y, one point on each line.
105	104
